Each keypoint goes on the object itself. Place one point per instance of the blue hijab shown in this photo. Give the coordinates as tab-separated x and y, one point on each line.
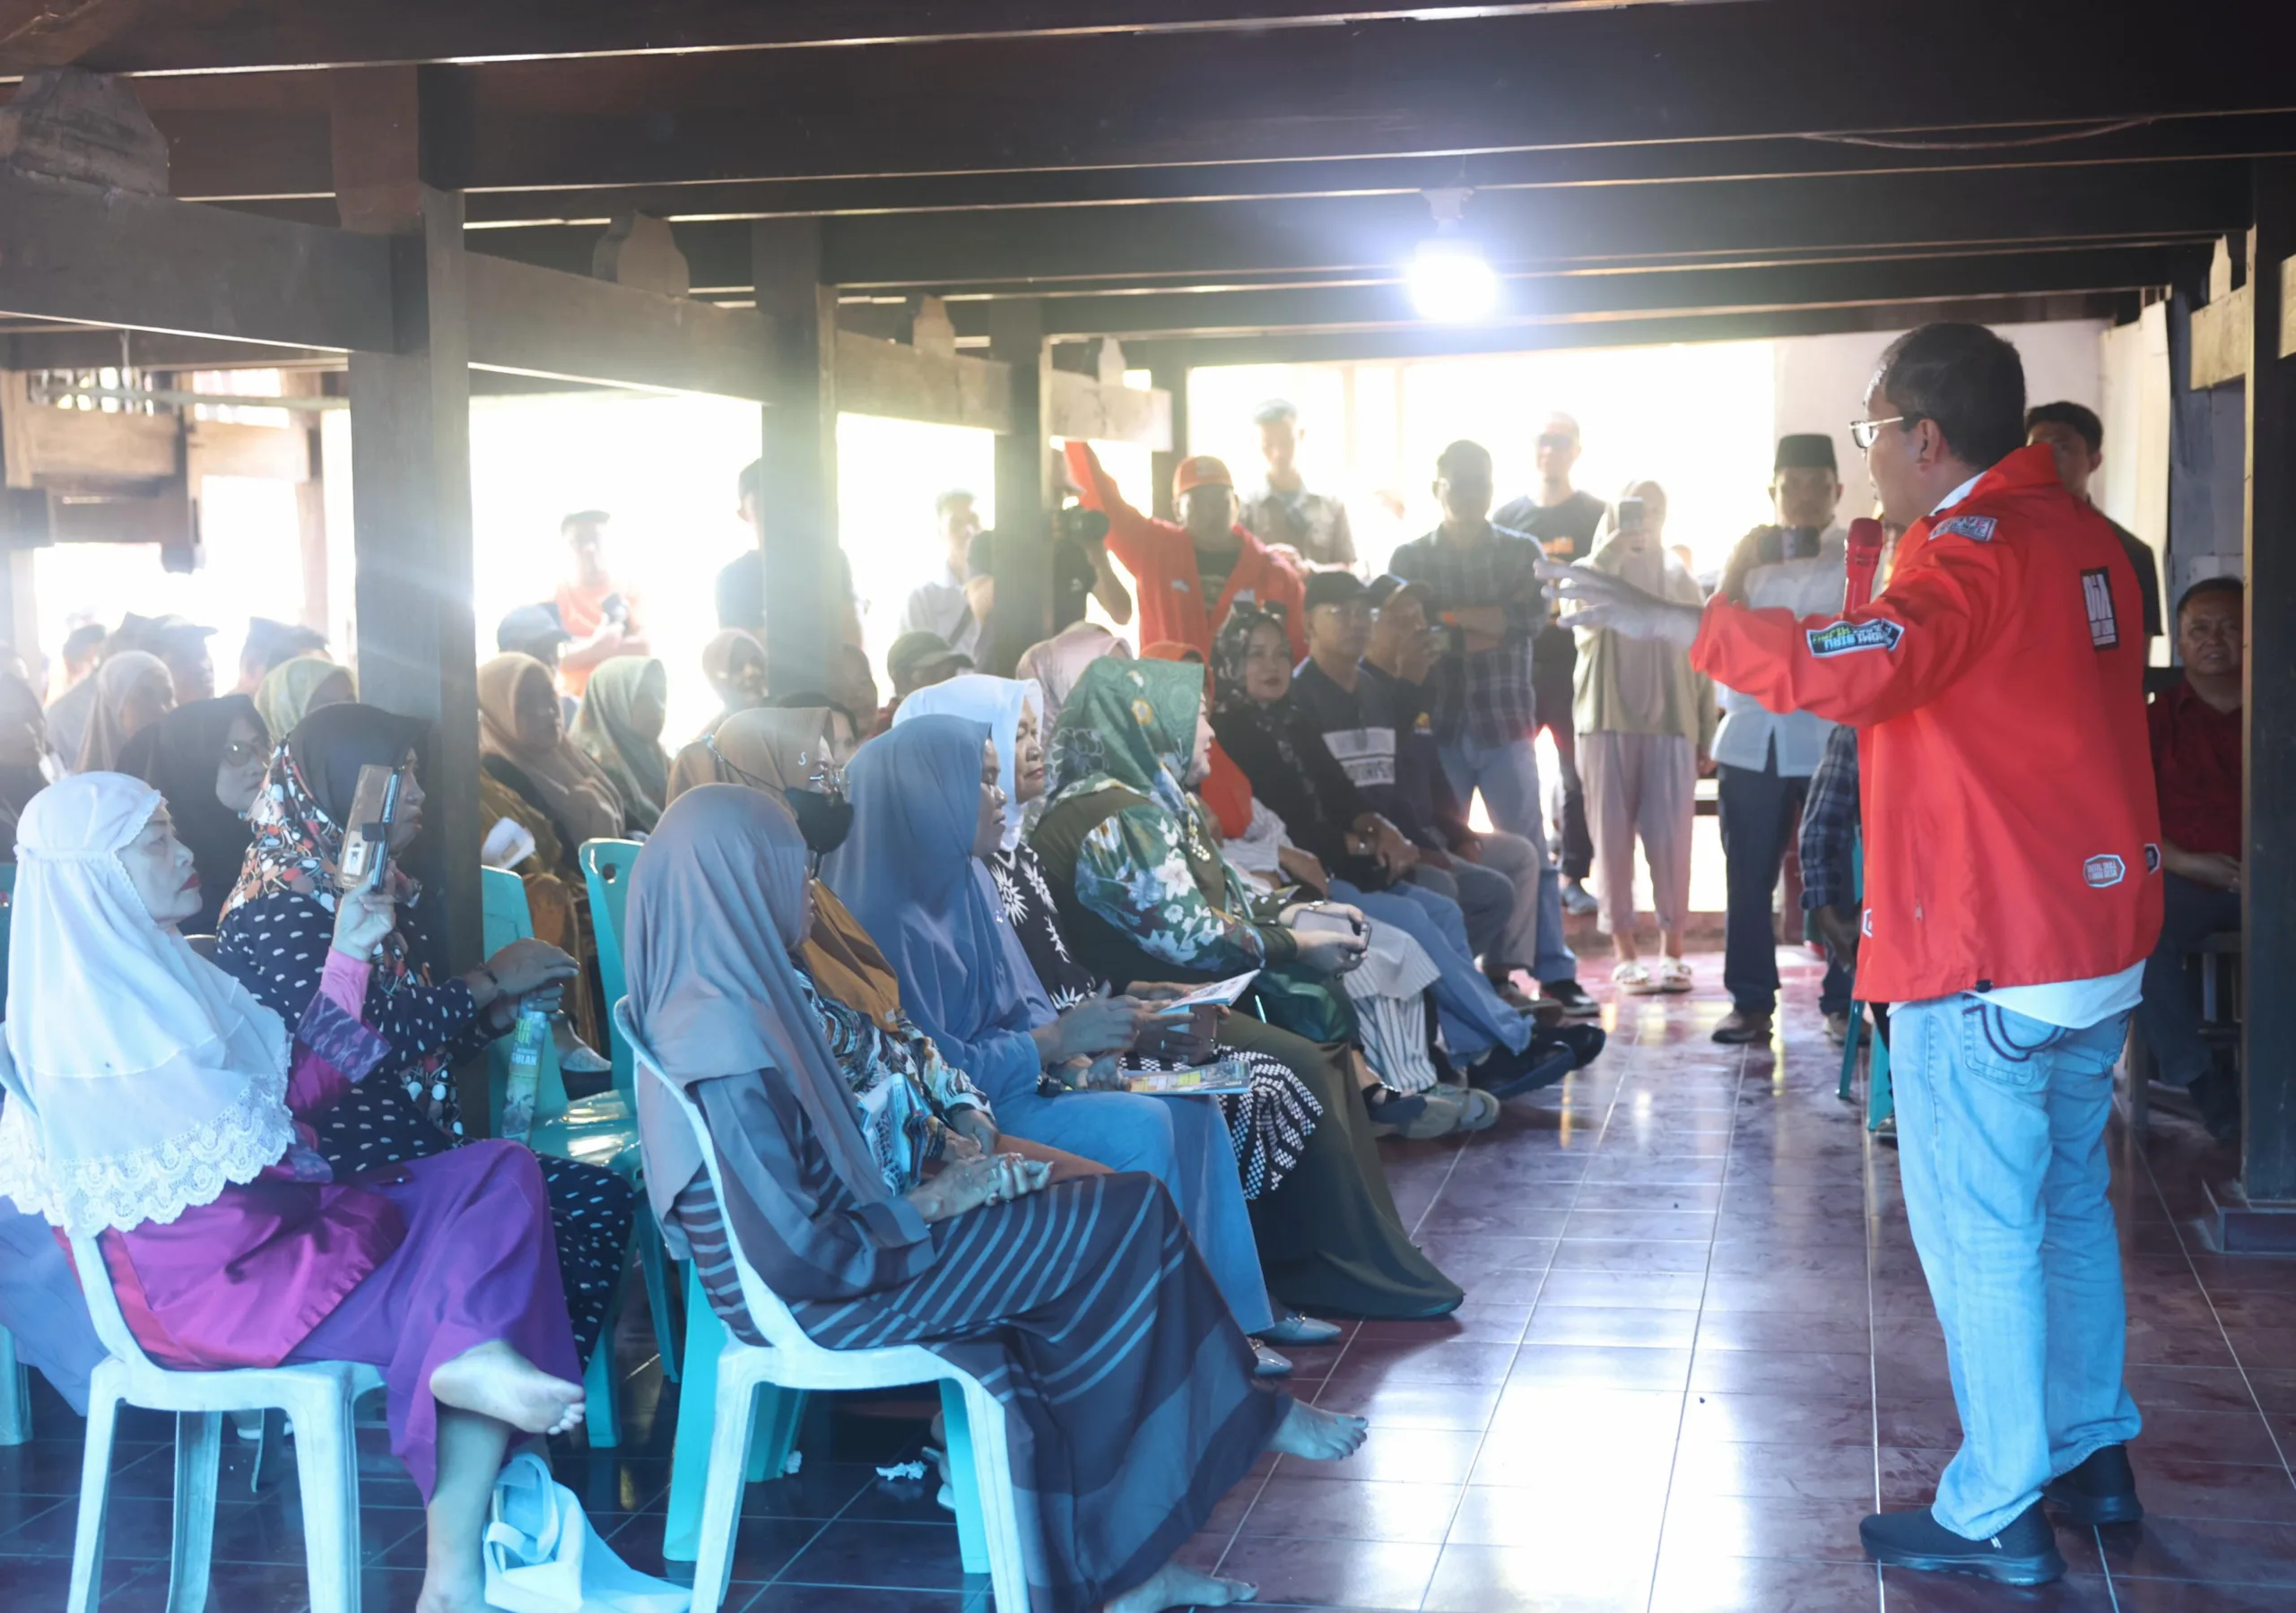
907	872
999	702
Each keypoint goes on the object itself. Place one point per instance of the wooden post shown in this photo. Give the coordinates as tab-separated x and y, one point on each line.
1023	560
797	508
19	607
411	512
2268	885
1168	372
311	507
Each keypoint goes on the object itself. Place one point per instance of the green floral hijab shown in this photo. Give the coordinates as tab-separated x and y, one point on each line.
1129	724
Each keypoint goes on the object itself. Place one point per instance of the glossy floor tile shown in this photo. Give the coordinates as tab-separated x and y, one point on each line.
1697	1347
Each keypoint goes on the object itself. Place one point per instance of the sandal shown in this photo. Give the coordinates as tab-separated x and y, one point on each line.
1674	976
1478	1110
1634	980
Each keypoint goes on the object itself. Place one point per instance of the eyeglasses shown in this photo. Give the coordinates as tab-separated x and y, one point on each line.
1863	431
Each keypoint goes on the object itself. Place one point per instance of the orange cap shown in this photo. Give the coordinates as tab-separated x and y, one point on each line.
1200	470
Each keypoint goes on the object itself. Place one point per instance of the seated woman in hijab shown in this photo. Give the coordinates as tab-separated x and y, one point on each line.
1283	756
178	1137
133	690
275	922
298	687
28	761
735	664
1054	664
1142	895
1269	1125
207	758
915	1108
1058	1286
624	708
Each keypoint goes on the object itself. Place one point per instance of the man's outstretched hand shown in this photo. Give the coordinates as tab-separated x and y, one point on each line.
1607	602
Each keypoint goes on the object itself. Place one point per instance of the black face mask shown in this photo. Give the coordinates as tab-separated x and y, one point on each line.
824	820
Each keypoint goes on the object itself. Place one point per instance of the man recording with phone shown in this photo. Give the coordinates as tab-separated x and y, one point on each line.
2013	893
599	615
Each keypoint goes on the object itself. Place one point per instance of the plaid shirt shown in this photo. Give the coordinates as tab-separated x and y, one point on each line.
1482	695
1829	824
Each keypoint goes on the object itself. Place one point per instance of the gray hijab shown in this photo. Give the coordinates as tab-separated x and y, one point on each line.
714	898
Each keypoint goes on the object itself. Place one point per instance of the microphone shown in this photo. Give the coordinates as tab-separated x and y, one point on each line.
1866	541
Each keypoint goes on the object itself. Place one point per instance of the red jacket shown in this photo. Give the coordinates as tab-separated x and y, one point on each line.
1161	558
2012	835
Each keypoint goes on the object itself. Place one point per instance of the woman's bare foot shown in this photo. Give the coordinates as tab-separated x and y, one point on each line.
496	1380
1319	1435
462	1590
1174	1586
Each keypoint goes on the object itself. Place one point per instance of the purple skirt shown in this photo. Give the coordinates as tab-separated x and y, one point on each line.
477	1265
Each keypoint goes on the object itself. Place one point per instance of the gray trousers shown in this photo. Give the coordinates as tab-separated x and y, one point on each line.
1639	784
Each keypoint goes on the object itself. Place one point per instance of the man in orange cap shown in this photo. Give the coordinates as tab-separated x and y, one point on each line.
1191	572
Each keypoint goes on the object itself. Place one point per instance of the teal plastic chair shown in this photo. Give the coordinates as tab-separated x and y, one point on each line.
605	869
1879	1104
601	1130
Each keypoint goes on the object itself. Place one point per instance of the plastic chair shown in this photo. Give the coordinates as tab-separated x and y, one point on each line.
15	1393
605	870
318	1398
979	1466
601	1130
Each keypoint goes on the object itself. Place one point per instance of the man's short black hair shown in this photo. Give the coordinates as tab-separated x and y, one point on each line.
85	640
2232	585
944	502
1274	410
2066	412
1460	455
582	517
1964	379
750	484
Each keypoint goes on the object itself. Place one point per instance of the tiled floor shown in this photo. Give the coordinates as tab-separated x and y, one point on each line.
1696	1349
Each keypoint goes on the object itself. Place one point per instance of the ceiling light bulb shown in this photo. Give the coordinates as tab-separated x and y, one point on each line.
1450	281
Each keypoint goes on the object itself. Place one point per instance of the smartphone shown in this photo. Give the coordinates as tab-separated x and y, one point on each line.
1630	515
367	840
614	609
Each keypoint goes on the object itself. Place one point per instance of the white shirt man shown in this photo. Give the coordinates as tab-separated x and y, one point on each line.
941	605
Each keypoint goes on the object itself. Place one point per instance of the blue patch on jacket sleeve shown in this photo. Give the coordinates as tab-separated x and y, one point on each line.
1977	529
1848	638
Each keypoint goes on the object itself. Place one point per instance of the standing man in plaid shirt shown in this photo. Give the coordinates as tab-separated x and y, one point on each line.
1486	587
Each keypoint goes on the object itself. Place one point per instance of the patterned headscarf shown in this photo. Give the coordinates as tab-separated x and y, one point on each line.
1130	723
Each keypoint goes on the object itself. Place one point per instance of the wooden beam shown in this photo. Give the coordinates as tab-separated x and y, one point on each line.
798	514
2268	708
82	450
2220	332
1023	556
1078	406
544	322
229	448
91	257
894	379
1168	370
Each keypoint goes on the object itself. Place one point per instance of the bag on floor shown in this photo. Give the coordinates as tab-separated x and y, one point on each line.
542	1556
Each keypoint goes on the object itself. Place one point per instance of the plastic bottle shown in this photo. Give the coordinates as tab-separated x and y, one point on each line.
526	1070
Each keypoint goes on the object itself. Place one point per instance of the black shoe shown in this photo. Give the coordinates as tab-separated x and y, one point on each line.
1740	1029
1571	997
2101	1490
1584	1041
1505	1074
2024	1553
2216	1094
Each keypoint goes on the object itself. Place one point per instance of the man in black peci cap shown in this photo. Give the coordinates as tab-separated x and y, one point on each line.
1763	761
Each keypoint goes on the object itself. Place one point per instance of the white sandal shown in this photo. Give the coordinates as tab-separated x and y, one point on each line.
1674	976
1634	980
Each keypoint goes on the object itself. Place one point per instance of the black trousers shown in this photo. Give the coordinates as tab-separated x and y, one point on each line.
1759	812
1554	659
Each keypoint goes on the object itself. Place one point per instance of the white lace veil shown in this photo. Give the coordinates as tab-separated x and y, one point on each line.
145	1079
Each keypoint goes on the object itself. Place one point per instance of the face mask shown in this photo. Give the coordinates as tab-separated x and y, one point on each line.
824	820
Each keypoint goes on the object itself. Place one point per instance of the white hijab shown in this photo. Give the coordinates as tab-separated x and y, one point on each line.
145	1079
999	702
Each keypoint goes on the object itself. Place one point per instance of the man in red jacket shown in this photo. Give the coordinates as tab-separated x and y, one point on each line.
1192	571
2013	893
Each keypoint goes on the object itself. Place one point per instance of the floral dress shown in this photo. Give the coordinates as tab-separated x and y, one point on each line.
1268	1125
904	1092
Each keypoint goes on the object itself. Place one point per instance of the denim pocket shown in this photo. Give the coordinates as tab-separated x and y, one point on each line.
2007	1048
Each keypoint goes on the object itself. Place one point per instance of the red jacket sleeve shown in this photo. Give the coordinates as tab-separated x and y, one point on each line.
1869	665
1132	537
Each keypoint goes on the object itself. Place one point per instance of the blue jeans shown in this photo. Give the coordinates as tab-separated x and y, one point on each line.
1475	1019
2168	1016
1508	777
1183	1143
2001	1147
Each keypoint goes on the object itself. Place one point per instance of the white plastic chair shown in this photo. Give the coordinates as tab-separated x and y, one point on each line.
791	1360
317	1398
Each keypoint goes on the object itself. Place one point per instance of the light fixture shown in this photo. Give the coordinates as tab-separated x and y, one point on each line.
1450	281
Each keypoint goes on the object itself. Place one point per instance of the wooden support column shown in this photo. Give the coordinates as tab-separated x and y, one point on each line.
411	512
1023	551
797	512
18	606
2268	887
1168	372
